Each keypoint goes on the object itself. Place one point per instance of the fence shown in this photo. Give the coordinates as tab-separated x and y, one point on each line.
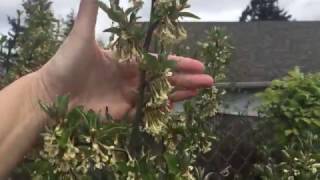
234	153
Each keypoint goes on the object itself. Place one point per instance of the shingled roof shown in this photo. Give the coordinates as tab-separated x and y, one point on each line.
266	50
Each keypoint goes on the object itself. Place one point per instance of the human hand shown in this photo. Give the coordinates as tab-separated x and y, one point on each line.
93	78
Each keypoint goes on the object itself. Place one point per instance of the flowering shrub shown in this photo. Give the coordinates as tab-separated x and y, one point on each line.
157	143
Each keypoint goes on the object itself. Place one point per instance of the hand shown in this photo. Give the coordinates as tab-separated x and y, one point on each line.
93	78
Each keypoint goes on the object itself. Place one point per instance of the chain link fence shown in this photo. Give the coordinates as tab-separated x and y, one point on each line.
234	153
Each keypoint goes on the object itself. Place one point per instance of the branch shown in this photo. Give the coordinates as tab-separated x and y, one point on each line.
135	142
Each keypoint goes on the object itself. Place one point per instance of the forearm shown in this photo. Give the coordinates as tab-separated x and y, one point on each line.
21	120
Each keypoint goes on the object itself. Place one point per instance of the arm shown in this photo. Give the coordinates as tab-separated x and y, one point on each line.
21	120
90	76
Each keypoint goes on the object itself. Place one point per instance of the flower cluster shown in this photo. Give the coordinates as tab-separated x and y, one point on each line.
157	109
128	41
67	158
164	146
170	31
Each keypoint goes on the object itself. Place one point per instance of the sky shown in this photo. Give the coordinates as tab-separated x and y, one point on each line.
208	10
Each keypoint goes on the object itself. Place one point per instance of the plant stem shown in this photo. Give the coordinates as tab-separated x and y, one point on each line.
135	142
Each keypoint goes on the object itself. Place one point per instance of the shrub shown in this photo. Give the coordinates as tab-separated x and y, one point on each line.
291	121
157	143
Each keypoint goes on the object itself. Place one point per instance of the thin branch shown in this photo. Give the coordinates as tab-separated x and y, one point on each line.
135	142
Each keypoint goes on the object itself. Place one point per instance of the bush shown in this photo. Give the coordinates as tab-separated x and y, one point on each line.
290	114
157	143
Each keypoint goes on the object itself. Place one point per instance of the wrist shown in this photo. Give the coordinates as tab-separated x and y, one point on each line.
40	92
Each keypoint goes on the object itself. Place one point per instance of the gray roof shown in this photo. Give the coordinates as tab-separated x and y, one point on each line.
266	50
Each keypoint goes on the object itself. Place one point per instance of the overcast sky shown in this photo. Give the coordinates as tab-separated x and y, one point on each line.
208	10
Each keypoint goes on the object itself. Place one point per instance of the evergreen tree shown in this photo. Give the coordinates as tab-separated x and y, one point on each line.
68	24
264	10
8	43
40	38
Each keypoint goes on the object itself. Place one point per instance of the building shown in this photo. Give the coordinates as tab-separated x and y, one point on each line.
264	51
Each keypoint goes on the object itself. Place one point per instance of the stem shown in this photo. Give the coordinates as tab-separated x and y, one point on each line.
135	142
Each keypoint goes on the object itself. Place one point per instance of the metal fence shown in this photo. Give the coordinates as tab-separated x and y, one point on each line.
234	153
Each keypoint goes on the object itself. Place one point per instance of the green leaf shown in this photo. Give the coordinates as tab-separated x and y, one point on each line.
112	129
74	118
169	64
63	139
114	30
158	64
49	110
316	122
188	14
93	119
3	39
172	163
114	14
62	105
133	10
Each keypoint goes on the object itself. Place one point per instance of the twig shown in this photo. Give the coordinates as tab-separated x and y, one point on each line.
135	142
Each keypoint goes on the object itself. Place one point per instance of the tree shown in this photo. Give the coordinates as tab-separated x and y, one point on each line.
8	55
68	24
8	49
34	37
40	38
264	10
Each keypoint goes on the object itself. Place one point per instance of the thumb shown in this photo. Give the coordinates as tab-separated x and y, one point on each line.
87	18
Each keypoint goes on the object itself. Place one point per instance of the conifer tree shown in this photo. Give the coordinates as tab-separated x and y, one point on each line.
68	23
9	42
40	38
264	10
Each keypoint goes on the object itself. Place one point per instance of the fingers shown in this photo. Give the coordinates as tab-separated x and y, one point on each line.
191	81
87	18
187	65
182	95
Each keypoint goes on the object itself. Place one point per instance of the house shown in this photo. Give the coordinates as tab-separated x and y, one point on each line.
264	51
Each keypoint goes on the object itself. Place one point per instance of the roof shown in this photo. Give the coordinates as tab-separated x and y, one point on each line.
266	50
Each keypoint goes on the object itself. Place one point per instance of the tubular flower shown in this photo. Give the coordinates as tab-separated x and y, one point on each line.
159	89
127	52
157	109
155	122
171	32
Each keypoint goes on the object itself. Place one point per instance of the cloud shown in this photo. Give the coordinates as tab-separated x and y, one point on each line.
307	10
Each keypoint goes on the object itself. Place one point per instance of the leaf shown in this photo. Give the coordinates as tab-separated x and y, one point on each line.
49	110
74	118
316	122
172	163
169	64
112	129
114	30
114	14
3	39
63	139
62	105
188	14
132	10
93	119
158	64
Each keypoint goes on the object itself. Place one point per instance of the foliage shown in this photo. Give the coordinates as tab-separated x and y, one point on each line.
68	24
291	111
215	51
38	42
34	38
264	10
158	143
8	47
